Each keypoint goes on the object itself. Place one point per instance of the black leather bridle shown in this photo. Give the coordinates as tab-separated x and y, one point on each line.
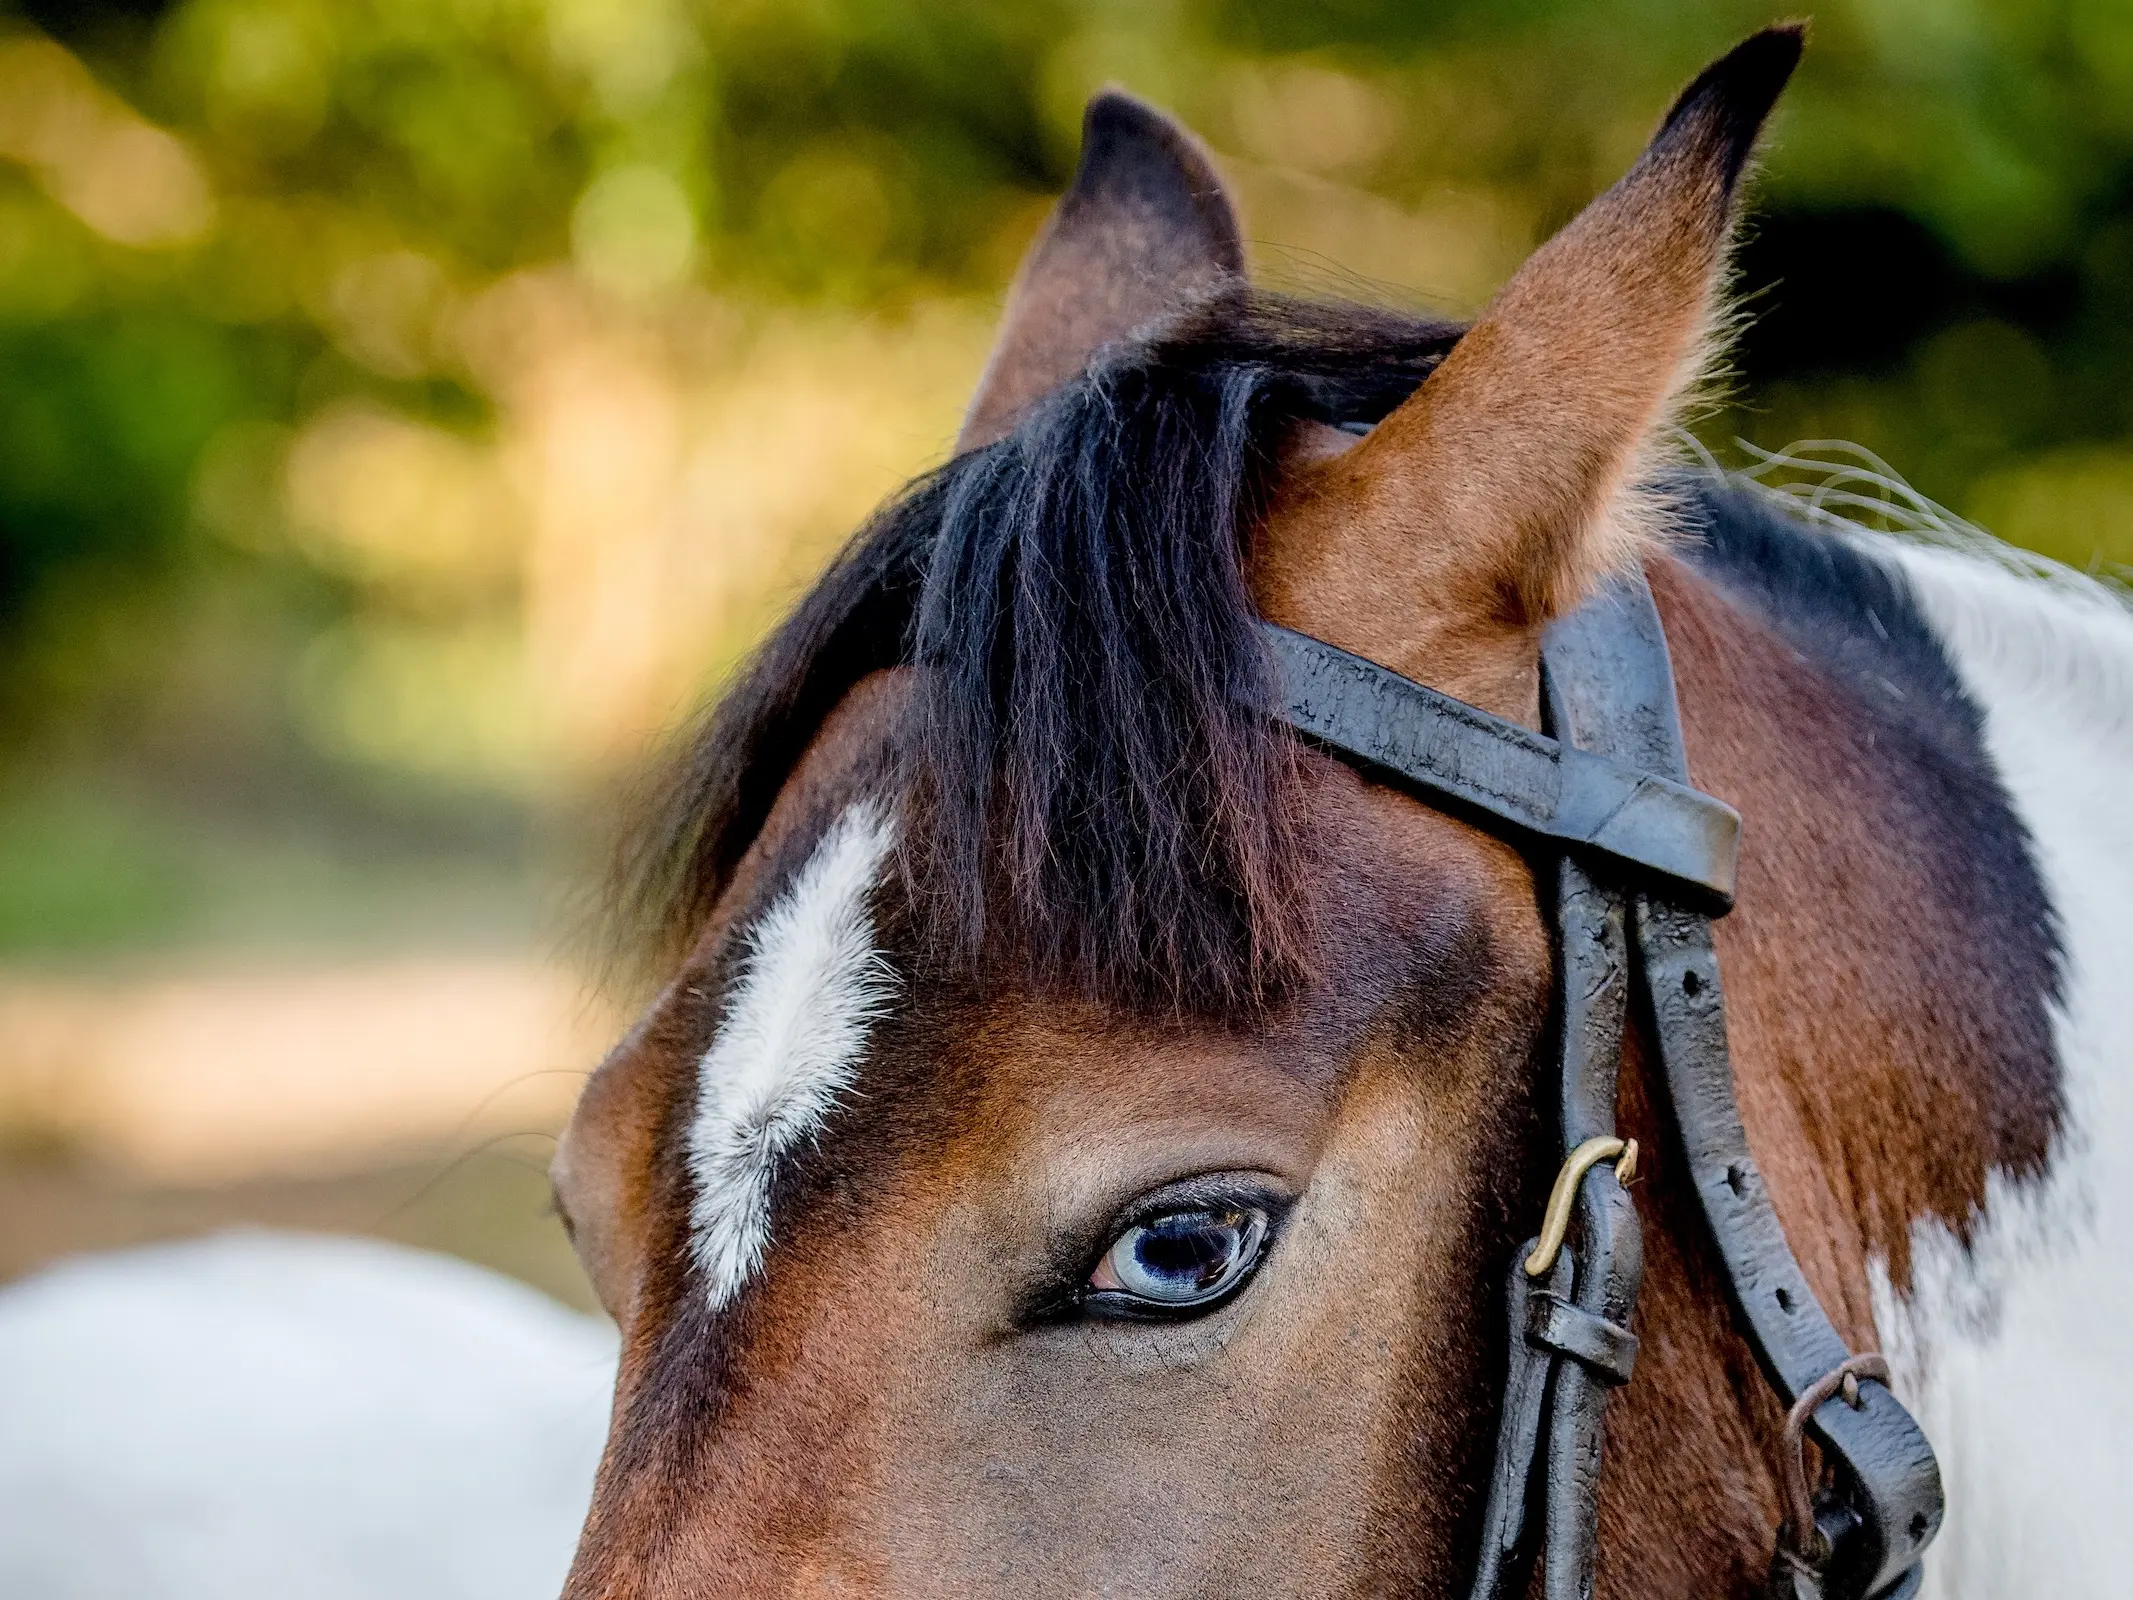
1644	862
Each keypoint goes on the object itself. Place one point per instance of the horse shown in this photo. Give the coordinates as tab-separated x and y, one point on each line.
1083	1128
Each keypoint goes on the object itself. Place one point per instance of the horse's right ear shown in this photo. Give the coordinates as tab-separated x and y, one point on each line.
1145	222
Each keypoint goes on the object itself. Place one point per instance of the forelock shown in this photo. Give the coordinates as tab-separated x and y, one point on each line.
1096	804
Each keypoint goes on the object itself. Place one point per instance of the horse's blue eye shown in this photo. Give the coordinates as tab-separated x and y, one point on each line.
1180	1259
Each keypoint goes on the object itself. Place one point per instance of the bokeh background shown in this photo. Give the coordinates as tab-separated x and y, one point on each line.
408	407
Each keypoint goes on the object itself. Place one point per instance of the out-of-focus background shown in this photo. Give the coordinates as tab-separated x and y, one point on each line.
408	407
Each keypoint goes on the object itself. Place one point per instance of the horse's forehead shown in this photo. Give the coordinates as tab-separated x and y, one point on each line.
835	1045
807	1053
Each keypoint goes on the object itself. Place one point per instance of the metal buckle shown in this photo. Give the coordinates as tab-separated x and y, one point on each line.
1800	1533
1807	1538
1555	1222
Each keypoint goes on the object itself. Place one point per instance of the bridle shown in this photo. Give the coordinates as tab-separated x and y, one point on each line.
1644	862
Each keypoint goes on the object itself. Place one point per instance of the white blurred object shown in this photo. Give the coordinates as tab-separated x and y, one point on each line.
263	1414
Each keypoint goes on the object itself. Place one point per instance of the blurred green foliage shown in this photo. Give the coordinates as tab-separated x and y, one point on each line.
227	220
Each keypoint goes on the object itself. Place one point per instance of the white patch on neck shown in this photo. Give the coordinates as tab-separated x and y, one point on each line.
810	986
2013	1352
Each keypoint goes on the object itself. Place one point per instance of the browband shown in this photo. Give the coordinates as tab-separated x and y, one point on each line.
1543	787
1644	862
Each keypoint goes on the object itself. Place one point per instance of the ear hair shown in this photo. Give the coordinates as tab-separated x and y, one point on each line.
1145	224
1516	476
1713	124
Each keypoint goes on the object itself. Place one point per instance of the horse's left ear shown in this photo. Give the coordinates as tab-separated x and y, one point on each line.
1498	493
1145	222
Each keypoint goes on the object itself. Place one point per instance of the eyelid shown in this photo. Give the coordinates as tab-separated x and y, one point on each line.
1210	1191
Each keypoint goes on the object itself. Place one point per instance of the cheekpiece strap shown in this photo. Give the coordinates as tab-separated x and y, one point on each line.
1645	861
1886	1502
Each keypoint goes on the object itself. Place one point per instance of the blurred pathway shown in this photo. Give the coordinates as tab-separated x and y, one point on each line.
413	1098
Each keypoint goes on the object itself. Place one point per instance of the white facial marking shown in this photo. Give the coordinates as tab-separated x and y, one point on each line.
2013	1351
810	986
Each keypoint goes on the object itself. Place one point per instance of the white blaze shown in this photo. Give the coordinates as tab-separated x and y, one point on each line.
811	984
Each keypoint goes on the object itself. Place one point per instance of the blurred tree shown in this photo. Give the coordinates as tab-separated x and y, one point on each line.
327	303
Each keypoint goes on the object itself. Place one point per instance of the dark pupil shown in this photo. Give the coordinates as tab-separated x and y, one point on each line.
1190	1250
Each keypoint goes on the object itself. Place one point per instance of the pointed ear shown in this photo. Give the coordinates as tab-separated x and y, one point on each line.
1506	486
1145	222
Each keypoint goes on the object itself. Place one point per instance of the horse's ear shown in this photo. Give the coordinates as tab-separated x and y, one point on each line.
1505	487
1145	222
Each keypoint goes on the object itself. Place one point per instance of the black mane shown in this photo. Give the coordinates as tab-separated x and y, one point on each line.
1092	807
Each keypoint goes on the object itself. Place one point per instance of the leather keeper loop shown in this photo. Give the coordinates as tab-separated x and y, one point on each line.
1607	1348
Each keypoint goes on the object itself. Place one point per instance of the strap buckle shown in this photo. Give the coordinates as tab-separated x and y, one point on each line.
1808	1536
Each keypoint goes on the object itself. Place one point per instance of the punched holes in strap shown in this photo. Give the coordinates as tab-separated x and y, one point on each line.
1539	786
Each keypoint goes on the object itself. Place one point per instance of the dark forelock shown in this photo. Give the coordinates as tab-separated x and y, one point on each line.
1093	804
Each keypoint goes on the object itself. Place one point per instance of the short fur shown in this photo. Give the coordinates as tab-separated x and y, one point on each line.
1852	610
2002	1332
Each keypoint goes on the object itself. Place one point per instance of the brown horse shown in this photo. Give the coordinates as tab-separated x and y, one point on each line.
1082	1139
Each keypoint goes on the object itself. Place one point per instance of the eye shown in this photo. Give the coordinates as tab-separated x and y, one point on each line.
1177	1261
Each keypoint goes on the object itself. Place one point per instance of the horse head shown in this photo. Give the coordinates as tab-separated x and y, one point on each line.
1084	1129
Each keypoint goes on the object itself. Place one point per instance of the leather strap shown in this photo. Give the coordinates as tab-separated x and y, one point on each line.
1647	861
1570	1341
1561	1325
1506	1551
1889	1482
1649	824
1586	713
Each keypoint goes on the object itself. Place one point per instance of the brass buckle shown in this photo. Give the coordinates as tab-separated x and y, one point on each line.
1556	1222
